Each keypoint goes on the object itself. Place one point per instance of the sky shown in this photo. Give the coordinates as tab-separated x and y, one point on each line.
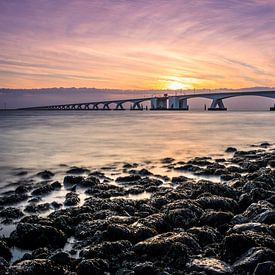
145	44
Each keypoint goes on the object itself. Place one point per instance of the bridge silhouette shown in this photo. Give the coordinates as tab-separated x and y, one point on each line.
166	102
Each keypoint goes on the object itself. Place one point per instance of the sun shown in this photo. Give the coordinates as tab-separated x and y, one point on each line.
174	85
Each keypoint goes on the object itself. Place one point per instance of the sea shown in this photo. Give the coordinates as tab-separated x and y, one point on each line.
42	140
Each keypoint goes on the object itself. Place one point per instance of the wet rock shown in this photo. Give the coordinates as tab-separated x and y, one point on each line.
107	250
205	235
234	245
45	174
116	232
130	178
217	203
40	253
91	181
167	243
271	163
56	205
78	170
56	185
72	199
3	266
11	213
204	186
167	160
216	219
231	150
42	190
157	222
23	189
141	232
69	181
267	217
21	173
144	172
250	226
4	251
61	258
43	207
31	236
145	268
180	179
13	199
210	266
265	145
267	268
35	267
249	261
92	266
97	174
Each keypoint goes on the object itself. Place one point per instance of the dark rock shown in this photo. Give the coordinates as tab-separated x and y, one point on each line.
267	268
210	266
3	266
234	245
180	179
4	251
231	150
35	267
72	199
116	232
56	185
249	261
31	236
92	266
13	199
167	160
11	213
204	186
61	258
43	207
72	180
129	178
78	170
45	174
21	173
107	250
205	235
91	181
265	145
56	205
167	243
42	190
145	268
216	219
217	203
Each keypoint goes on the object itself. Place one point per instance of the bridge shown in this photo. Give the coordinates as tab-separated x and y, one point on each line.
166	102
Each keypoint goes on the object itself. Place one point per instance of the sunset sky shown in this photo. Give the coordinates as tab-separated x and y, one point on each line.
152	44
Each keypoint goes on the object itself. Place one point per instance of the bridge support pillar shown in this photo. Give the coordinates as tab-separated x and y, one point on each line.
159	103
137	106
106	106
217	105
119	106
176	103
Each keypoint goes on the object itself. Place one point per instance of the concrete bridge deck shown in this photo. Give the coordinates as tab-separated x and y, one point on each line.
166	102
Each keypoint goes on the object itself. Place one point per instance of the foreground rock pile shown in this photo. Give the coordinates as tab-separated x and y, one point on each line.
187	226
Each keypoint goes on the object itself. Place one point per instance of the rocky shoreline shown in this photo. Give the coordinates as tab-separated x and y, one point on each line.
133	221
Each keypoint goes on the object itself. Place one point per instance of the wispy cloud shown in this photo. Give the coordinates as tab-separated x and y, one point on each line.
134	44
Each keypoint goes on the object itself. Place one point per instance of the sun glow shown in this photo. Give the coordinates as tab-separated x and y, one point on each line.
176	85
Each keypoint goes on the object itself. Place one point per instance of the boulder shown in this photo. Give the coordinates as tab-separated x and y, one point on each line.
32	236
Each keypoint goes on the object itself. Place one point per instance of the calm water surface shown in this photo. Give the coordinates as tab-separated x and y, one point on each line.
43	139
